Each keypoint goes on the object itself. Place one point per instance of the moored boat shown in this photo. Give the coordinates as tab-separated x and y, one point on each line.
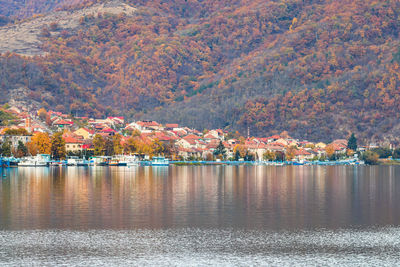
160	161
40	160
82	162
99	161
72	161
122	160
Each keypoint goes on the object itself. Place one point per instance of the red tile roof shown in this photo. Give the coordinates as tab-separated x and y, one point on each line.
63	122
210	136
147	123
71	140
191	136
302	152
108	130
88	130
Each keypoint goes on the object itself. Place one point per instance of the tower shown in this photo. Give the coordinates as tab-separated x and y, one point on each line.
28	123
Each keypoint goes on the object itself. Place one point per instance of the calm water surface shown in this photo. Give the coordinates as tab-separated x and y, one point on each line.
200	215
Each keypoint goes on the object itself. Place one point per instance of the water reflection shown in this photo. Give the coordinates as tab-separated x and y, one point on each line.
260	197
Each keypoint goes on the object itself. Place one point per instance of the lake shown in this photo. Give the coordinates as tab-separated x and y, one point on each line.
200	215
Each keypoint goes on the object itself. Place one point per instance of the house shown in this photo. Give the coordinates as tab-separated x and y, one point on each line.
186	153
180	132
149	125
192	136
73	144
282	141
108	122
144	126
108	131
275	148
340	142
62	123
339	148
256	147
171	126
117	120
302	154
218	134
186	143
85	133
15	139
320	145
209	137
273	138
319	152
233	142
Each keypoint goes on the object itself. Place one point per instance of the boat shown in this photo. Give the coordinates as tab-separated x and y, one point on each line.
117	160
160	161
72	161
57	163
122	160
113	162
99	161
131	161
11	161
298	162
40	160
82	162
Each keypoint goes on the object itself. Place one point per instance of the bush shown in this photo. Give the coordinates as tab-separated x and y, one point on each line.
396	153
370	157
383	152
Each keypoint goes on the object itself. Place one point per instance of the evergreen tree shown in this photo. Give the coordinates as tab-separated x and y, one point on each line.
58	146
22	150
352	142
220	150
249	156
237	154
6	149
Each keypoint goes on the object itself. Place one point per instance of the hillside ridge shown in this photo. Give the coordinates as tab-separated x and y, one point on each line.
318	69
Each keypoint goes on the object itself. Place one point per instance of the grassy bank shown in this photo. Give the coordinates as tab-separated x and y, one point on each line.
388	162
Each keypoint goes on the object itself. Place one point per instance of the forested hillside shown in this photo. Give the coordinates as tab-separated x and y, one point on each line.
319	69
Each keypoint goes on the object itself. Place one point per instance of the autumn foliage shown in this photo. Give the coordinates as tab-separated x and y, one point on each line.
319	69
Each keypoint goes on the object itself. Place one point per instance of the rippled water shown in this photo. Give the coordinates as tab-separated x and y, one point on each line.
210	215
190	246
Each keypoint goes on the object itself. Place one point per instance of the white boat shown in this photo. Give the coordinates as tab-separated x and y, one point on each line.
131	161
116	160
82	162
122	160
160	161
76	161
72	161
99	161
40	160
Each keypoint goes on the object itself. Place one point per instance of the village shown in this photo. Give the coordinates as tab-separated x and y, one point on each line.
33	133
